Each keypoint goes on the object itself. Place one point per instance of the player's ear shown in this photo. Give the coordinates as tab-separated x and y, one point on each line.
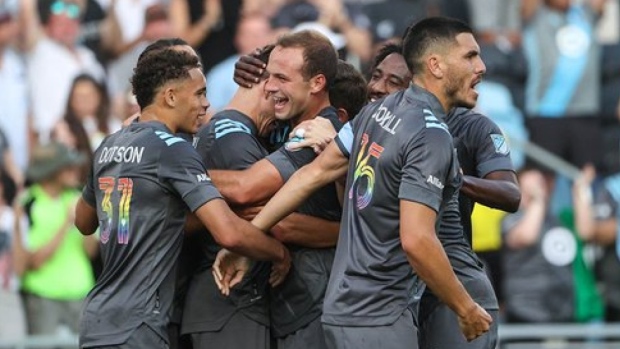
434	64
343	115
317	83
170	98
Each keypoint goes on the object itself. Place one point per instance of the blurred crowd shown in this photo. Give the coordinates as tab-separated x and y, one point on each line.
553	78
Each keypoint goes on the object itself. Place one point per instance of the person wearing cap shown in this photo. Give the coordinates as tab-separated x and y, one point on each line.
58	272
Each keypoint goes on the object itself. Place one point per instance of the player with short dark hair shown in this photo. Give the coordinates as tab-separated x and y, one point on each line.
348	92
143	182
404	176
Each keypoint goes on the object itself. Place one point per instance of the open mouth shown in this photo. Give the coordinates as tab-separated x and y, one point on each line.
376	96
280	102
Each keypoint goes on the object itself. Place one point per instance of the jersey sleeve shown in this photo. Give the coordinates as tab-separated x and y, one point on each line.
490	148
345	138
287	162
428	163
233	148
182	170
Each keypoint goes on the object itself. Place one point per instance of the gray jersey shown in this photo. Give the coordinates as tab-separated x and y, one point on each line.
299	300
229	141
400	150
144	181
481	148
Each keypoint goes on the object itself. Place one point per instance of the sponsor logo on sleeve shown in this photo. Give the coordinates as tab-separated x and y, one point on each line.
203	178
435	181
500	144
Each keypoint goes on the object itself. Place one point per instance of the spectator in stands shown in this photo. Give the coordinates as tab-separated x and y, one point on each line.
254	30
141	23
87	119
209	26
11	176
13	325
334	17
537	258
55	60
58	271
563	83
596	221
14	99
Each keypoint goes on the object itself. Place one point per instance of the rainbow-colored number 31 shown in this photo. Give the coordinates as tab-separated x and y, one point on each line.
125	187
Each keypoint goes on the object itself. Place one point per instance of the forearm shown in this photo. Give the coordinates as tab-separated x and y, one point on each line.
499	194
43	254
527	230
429	260
307	231
241	189
298	188
358	40
255	245
199	31
584	217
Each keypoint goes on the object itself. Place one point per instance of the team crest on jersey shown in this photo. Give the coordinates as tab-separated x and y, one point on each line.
501	146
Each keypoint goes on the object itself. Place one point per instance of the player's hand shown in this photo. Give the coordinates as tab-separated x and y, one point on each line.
248	70
229	269
475	323
316	133
279	270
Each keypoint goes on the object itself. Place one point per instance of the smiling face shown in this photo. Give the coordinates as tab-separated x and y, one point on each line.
286	84
389	76
463	70
192	103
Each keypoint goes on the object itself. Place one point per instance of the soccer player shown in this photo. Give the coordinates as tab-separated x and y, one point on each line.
144	179
404	175
301	68
488	178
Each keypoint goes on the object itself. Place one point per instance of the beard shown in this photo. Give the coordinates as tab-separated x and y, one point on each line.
452	91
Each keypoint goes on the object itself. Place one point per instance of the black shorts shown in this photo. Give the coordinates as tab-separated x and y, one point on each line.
440	329
239	332
575	139
143	337
310	336
401	334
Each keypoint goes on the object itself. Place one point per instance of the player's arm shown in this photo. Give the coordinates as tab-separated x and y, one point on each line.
307	231
237	235
330	165
253	185
428	258
86	217
498	189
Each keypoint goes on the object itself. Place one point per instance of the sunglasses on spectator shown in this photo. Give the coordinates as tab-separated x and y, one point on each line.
70	10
